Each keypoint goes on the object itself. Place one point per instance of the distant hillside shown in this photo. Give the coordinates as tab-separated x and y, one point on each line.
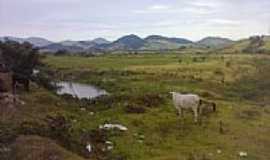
129	42
36	41
156	42
58	46
81	44
19	40
101	41
255	44
215	42
75	46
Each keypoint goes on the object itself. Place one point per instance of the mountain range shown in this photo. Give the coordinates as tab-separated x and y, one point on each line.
128	42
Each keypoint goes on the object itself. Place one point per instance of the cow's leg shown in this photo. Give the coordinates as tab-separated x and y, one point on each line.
179	112
27	85
195	111
200	109
182	119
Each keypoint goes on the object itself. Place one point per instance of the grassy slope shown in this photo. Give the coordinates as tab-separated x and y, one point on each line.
164	136
246	124
34	147
239	46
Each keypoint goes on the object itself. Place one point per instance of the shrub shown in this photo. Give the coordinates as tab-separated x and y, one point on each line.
133	108
33	127
7	133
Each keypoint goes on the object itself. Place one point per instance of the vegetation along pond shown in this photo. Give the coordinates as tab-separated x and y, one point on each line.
79	90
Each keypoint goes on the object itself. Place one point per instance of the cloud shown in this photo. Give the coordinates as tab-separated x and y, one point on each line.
159	7
191	9
204	4
79	19
198	11
224	22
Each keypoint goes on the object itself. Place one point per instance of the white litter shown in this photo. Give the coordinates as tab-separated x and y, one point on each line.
108	143
110	148
89	148
219	151
113	126
243	154
140	141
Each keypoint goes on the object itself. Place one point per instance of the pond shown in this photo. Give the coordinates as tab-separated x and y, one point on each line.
79	90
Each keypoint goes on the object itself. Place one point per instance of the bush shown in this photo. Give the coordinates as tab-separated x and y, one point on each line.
7	133
150	100
21	59
31	128
133	108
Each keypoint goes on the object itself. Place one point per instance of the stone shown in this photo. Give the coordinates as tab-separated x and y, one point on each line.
89	148
113	126
243	154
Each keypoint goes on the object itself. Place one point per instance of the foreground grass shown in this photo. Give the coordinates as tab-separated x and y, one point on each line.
158	134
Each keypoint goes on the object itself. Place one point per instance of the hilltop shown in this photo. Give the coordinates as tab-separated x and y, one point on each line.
258	44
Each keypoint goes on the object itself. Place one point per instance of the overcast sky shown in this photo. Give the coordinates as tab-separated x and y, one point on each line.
86	19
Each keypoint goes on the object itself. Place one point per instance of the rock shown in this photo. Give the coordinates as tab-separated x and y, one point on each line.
109	148
83	109
108	143
142	137
113	126
140	141
243	154
89	148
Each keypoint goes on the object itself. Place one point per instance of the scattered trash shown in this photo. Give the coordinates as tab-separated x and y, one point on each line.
109	148
243	154
211	154
108	143
219	151
113	126
141	136
89	148
91	113
83	109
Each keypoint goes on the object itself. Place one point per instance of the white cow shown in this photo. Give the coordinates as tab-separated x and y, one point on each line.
190	101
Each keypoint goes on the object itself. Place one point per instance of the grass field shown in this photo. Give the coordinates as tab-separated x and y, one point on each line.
139	99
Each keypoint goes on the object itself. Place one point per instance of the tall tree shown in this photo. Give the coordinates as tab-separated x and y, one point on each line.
21	59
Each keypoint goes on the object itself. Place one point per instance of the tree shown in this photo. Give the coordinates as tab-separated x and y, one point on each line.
21	59
61	52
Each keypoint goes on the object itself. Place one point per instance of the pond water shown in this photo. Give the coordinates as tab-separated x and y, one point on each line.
79	90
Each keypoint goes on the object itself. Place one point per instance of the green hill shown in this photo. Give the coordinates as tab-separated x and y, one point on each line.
255	44
215	42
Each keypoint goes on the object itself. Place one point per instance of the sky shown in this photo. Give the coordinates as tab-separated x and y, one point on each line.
59	20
